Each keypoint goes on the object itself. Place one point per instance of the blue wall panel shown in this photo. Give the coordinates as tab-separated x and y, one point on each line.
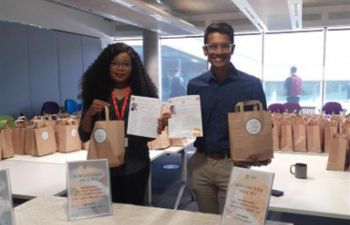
91	49
70	64
14	77
38	65
43	69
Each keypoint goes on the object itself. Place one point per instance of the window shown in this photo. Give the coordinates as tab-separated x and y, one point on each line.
247	54
301	49
337	75
182	59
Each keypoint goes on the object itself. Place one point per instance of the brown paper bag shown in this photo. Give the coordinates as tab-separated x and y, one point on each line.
313	136
299	134
45	141
29	139
85	145
330	129
250	133
108	141
161	142
18	136
286	135
67	135
178	141
276	131
6	140
338	153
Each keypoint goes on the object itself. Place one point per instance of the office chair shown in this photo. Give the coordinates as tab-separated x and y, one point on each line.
292	107
276	108
332	108
50	107
71	106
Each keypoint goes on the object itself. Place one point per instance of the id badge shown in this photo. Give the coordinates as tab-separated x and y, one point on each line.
126	142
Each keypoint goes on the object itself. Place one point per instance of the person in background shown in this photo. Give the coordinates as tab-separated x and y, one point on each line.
109	81
177	87
293	86
219	89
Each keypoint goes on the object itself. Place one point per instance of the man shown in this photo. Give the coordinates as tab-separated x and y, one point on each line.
293	86
220	89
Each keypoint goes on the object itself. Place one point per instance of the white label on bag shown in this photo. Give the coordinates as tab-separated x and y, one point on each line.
73	132
100	135
44	135
253	126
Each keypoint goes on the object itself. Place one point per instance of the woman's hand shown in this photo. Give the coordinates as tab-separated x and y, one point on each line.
96	107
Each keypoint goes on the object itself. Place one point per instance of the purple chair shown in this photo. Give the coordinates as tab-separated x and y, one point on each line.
50	108
292	107
276	108
332	108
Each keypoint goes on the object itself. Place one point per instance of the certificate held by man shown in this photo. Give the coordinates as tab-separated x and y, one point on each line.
185	121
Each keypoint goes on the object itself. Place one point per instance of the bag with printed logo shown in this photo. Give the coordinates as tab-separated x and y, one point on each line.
67	135
44	140
250	133
108	141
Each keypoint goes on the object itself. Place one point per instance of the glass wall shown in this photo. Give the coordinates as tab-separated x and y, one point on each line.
303	50
322	58
337	69
182	59
248	54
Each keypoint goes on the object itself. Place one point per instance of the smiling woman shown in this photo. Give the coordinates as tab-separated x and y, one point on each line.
116	74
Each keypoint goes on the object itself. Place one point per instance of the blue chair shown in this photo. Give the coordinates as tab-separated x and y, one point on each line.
50	107
71	106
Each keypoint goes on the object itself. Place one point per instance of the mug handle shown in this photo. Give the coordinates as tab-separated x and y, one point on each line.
291	169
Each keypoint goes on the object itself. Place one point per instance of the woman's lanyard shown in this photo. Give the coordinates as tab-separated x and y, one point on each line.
120	115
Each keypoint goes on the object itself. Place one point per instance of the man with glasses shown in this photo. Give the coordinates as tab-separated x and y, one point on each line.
220	89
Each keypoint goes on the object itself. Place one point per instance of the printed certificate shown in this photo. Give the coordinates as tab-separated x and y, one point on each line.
143	116
6	207
88	185
185	121
248	197
186	117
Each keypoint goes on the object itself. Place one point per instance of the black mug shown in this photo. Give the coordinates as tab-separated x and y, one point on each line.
300	170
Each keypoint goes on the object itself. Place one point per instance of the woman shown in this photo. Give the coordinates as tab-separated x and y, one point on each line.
116	74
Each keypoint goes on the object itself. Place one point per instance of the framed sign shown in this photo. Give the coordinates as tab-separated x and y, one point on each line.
88	186
7	216
248	197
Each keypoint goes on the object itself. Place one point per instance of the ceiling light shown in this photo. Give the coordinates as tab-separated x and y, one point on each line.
124	3
295	13
248	11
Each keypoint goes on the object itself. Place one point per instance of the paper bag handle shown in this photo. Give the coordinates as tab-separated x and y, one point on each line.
256	103
106	113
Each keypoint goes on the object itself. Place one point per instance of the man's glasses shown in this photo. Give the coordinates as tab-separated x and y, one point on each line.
212	48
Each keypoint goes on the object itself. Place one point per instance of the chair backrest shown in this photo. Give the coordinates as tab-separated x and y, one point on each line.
71	106
276	108
332	108
292	107
50	107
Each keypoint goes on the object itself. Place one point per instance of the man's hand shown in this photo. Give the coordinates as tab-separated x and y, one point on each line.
163	122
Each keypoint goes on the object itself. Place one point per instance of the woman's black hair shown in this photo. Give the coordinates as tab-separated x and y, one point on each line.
96	82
